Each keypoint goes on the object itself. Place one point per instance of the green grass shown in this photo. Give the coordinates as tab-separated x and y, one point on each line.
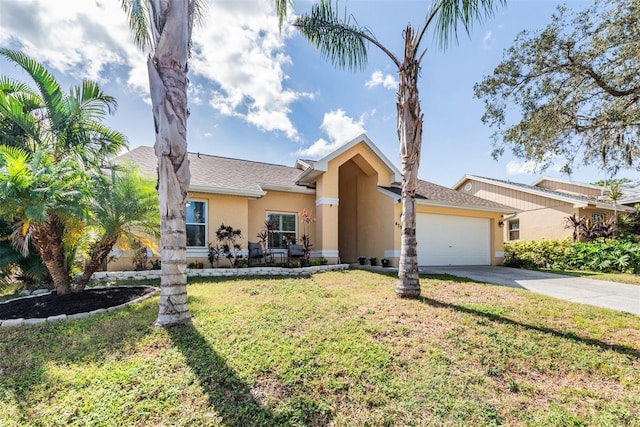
334	349
632	279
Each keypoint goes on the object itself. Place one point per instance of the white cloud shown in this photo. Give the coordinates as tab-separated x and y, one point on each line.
487	41
377	79
529	167
241	62
340	129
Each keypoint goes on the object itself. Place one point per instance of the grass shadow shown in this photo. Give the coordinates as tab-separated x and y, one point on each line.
229	395
621	349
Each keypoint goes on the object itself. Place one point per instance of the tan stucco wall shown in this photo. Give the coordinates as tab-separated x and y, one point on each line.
365	215
543	223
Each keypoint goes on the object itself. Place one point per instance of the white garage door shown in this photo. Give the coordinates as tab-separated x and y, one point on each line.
453	240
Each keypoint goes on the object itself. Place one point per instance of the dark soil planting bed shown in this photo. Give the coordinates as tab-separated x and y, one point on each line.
54	305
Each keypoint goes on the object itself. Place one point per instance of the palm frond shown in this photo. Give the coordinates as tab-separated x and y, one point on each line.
451	13
340	40
282	9
138	15
47	84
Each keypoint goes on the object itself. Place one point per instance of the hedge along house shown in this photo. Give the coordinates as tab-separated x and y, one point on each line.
544	206
353	193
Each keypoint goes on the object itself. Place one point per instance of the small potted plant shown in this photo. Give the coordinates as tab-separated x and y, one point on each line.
385	262
373	261
362	259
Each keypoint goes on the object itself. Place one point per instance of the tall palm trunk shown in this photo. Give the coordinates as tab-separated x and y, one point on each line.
168	86
410	136
47	239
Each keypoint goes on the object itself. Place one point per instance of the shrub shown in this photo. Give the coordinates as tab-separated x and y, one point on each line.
537	253
602	255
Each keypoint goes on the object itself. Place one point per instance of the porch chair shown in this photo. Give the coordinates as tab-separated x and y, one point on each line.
255	253
295	251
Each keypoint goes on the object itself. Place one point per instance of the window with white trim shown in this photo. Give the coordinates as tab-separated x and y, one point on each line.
284	229
514	229
196	224
597	217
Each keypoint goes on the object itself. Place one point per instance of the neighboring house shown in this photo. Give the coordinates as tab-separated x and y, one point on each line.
353	194
630	193
543	207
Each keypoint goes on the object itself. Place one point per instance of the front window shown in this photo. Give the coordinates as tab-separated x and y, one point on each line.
196	224
514	229
284	230
597	217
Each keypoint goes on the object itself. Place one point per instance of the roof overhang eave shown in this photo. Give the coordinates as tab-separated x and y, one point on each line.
287	189
442	204
227	191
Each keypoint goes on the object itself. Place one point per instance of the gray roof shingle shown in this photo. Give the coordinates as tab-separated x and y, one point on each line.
235	175
222	172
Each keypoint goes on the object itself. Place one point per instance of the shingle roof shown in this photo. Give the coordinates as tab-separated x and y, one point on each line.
235	176
445	195
222	172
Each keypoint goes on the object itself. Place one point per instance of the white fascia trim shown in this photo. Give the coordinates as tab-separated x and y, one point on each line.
388	193
327	201
322	165
226	191
601	206
286	189
392	254
466	207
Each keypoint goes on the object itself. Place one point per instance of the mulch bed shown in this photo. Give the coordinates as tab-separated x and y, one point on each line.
54	305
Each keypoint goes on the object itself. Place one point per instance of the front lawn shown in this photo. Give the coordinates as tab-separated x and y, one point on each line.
335	349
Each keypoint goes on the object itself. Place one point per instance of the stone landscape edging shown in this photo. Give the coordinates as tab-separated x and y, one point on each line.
40	320
107	276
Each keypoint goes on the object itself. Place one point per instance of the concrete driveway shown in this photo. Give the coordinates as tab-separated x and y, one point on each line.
616	296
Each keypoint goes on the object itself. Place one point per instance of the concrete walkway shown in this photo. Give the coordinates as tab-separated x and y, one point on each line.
613	295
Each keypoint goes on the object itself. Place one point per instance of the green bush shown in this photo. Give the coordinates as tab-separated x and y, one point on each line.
537	253
603	255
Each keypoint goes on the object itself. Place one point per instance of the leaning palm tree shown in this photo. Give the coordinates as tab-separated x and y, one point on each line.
343	42
124	208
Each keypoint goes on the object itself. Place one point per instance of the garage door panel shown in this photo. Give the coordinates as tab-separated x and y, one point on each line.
453	240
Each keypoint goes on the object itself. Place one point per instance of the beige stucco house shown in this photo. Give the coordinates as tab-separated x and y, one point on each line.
353	193
542	208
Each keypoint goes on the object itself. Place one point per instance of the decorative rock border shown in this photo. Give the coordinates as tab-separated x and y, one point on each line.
40	320
106	276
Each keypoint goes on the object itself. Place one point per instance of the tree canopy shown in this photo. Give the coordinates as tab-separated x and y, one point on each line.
577	86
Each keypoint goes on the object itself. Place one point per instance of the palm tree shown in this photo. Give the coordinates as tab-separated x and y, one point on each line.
342	41
54	131
44	199
615	194
124	208
163	28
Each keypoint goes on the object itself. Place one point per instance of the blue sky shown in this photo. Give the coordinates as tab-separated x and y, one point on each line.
262	95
